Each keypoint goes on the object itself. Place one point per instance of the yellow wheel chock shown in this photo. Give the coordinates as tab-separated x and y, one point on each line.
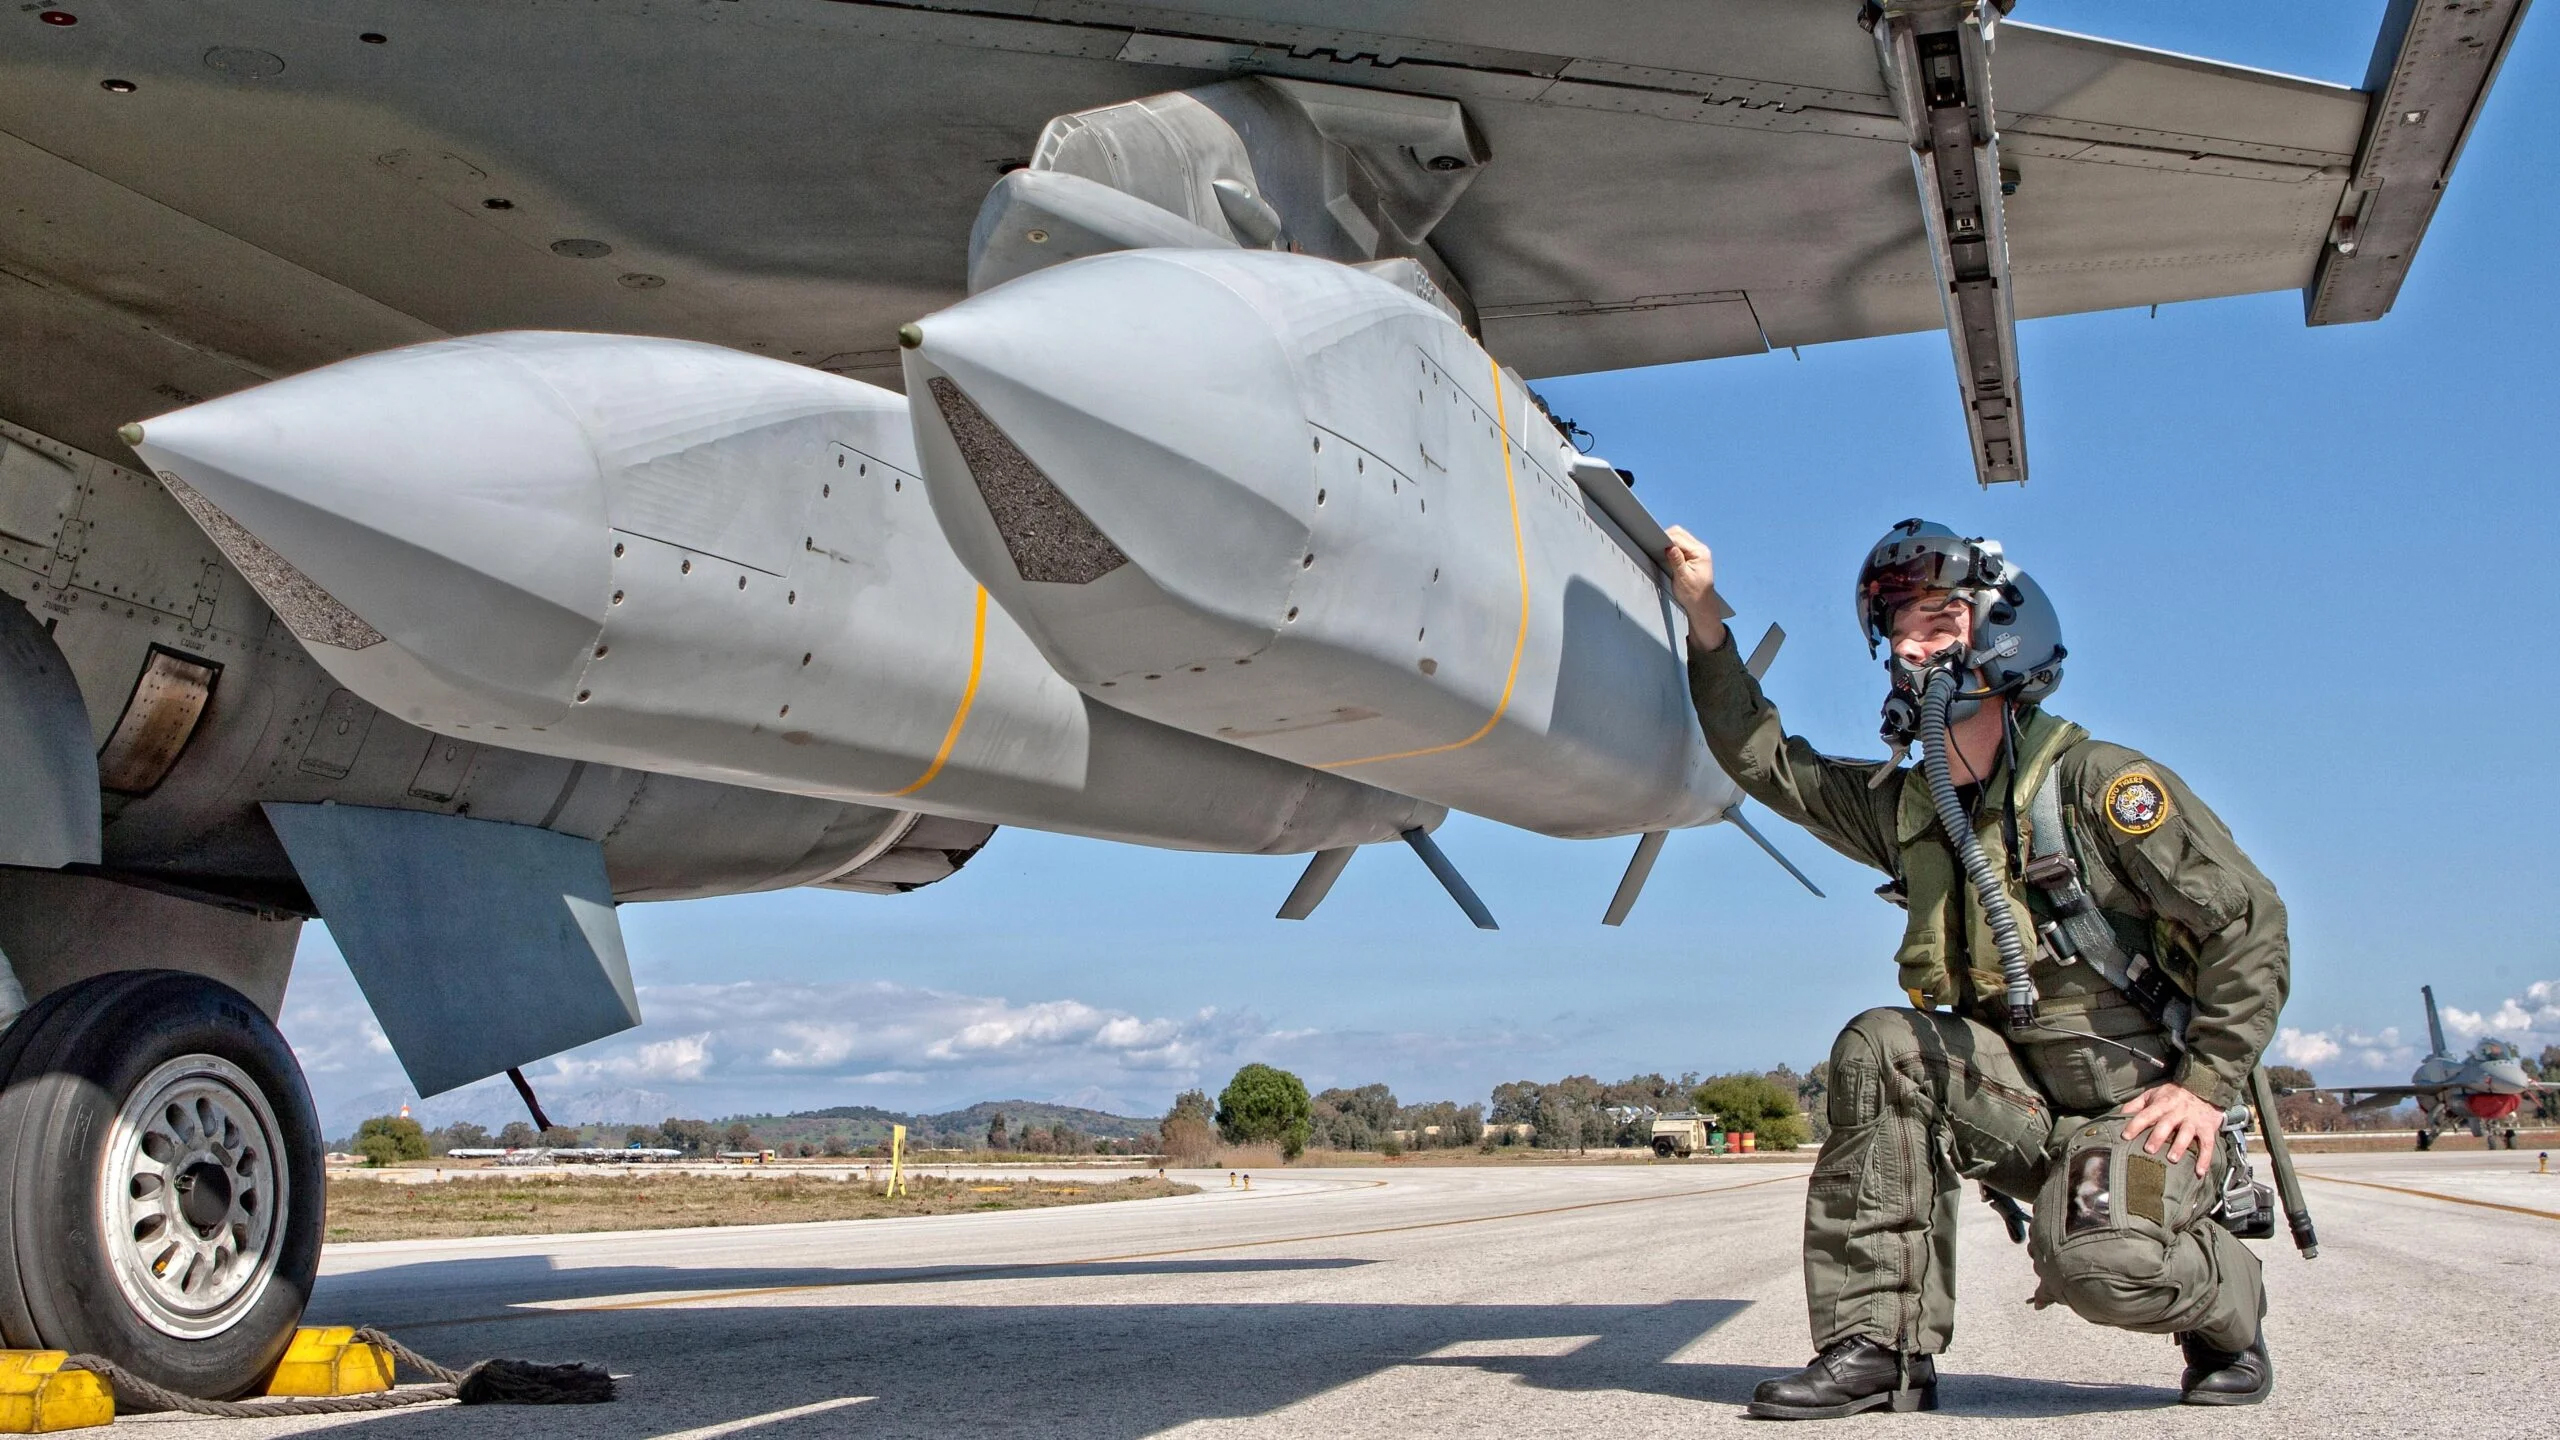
331	1361
38	1396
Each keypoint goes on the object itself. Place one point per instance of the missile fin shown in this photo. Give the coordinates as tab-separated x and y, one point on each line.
1733	813
1455	883
1323	868
1639	870
1765	654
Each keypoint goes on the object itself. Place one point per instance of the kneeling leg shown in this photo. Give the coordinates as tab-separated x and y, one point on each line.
2125	1238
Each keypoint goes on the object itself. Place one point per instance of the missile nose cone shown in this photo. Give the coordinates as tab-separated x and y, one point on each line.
440	497
129	433
1153	396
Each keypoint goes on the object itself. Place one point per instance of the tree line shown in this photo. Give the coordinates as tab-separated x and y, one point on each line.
1265	1105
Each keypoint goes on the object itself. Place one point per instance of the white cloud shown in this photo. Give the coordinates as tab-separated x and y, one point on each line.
2530	1019
2379	1055
2306	1047
683	1058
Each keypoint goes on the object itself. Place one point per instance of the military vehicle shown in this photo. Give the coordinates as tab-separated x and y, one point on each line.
1683	1133
2475	1091
466	468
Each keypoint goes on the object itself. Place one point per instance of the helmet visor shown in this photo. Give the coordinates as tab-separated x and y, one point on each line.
1907	567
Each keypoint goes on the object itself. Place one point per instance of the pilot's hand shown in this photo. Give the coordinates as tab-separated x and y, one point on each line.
2178	1116
1693	585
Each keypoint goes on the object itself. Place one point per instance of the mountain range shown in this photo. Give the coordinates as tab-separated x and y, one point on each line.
493	1103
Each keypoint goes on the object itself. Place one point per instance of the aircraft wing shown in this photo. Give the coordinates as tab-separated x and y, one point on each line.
1765	198
1668	180
2367	1097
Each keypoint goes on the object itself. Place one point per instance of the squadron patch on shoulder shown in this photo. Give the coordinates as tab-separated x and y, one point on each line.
2136	803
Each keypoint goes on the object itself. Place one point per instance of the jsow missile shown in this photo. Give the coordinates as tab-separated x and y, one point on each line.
1289	504
688	559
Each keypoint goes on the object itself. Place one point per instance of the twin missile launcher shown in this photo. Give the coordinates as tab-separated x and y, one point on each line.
688	559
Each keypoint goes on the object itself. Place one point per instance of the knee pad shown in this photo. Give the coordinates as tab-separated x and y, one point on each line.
2112	1235
1860	1059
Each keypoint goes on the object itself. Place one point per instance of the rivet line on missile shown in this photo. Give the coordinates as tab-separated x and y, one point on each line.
1520	556
968	697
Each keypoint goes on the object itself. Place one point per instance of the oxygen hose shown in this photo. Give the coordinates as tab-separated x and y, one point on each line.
1935	702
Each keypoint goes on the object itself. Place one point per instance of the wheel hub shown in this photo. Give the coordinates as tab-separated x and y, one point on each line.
193	1196
204	1196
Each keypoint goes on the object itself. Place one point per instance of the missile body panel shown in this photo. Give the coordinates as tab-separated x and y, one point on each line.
687	559
1289	504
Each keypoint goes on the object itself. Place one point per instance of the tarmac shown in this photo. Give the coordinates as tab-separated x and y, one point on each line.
1509	1301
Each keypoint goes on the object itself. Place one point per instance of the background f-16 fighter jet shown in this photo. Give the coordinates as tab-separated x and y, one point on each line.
2476	1090
470	466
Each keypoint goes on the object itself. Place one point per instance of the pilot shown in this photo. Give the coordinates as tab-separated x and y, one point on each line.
2022	1066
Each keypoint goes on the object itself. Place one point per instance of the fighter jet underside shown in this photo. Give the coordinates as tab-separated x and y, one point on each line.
463	467
1665	181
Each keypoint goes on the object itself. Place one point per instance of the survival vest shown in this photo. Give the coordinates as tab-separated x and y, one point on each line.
2091	969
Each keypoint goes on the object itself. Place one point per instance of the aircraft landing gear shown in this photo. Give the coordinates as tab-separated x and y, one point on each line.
161	1190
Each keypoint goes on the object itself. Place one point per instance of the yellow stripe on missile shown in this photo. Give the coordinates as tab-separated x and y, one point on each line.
968	697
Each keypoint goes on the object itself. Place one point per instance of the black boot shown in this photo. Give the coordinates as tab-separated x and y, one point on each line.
2223	1377
1852	1375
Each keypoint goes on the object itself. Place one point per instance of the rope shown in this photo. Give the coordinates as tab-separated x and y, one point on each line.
131	1388
406	1356
491	1382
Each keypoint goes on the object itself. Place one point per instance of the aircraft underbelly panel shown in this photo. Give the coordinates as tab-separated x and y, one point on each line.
214	226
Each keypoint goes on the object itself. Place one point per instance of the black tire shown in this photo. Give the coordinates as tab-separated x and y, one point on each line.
113	1067
1663	1146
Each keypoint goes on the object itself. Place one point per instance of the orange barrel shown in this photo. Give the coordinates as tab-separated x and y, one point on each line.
1748	1137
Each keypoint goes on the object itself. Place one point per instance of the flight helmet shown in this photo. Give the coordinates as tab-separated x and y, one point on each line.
2017	637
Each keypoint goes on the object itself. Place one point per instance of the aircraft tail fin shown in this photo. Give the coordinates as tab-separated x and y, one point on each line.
2435	1030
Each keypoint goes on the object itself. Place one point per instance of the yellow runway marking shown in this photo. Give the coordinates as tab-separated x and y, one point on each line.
1519	642
968	697
2432	1195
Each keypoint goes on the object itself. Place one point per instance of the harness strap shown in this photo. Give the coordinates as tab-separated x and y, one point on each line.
2080	930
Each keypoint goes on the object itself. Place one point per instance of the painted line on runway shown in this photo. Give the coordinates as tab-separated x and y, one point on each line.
750	1422
2432	1195
971	1272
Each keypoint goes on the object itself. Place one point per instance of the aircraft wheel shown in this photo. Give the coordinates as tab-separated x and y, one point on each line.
163	1181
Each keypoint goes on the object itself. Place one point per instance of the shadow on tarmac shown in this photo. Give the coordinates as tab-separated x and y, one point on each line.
442	1293
1106	1370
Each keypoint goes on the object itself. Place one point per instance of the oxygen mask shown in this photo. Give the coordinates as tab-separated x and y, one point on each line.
1973	672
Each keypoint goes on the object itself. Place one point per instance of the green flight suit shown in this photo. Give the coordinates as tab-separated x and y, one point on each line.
1923	1099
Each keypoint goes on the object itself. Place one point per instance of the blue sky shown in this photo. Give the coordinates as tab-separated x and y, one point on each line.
2305	568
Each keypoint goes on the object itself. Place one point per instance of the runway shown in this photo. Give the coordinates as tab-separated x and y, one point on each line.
1497	1300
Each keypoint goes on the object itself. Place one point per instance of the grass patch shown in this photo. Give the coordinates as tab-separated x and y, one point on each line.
562	1204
